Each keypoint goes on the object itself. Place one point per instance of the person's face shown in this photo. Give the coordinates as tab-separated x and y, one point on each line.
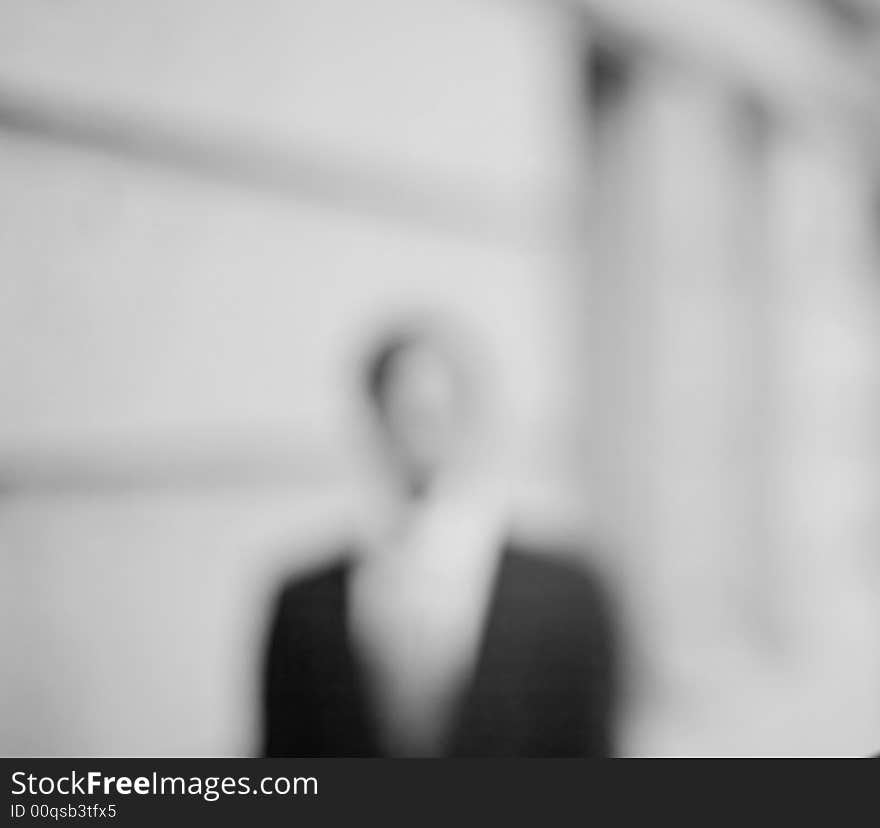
422	412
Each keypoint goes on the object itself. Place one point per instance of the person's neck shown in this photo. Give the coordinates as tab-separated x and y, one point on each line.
412	501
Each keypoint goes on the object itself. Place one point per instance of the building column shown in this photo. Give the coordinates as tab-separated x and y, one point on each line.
824	471
676	358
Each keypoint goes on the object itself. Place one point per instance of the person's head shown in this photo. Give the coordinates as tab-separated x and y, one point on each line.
422	395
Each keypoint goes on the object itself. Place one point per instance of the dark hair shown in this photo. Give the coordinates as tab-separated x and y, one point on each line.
446	338
381	360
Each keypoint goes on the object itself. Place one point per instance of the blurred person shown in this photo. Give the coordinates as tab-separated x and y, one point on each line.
438	636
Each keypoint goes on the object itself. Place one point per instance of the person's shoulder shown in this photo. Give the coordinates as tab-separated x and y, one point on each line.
554	567
316	585
558	578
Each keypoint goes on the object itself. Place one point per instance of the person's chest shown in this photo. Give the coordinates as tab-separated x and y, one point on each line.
417	630
417	614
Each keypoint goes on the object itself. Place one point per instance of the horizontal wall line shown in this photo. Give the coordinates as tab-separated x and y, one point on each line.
174	464
462	208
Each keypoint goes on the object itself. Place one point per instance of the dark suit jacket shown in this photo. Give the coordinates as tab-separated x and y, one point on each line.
543	684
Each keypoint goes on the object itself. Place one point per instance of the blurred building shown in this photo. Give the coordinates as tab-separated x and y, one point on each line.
735	321
664	218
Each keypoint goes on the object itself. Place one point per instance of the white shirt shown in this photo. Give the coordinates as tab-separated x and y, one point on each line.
418	607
